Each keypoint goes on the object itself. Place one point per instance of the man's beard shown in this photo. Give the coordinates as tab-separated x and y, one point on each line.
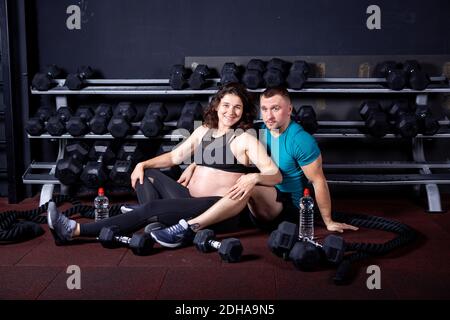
276	126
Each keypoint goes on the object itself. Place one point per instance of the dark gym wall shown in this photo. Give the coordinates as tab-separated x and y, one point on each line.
142	39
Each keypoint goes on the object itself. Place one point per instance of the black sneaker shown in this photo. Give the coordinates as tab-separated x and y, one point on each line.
174	236
128	207
62	228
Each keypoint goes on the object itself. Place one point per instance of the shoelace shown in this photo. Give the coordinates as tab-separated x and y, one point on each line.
176	229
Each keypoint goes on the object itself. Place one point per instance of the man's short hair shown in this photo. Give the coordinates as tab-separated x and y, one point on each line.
282	91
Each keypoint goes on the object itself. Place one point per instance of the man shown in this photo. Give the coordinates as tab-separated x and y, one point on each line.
299	159
297	156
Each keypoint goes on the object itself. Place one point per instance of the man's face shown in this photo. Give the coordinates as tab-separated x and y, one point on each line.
275	112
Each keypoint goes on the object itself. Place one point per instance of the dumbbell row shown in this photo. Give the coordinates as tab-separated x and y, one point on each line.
95	166
121	123
376	122
400	118
277	72
45	80
257	74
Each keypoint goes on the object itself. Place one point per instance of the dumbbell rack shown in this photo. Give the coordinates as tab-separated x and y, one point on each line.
337	129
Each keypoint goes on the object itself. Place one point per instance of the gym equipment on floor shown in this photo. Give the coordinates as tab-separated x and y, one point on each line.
140	244
230	250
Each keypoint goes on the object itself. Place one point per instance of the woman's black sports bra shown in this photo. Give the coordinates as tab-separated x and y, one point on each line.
216	153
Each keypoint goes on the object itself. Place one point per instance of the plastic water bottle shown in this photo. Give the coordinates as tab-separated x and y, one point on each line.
306	225
101	204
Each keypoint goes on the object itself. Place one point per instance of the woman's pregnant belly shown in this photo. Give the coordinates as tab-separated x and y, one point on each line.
207	182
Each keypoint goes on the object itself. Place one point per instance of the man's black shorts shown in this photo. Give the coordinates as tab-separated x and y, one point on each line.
289	213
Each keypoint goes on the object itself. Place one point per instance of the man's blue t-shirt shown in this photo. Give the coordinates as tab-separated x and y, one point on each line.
292	149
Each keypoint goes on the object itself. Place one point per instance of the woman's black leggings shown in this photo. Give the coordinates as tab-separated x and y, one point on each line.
161	198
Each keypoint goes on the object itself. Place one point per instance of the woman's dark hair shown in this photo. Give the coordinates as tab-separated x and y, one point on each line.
249	109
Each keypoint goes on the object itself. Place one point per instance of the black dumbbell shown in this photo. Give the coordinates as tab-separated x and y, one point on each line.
306	254
99	123
375	119
427	122
394	74
282	239
197	80
253	76
307	119
56	125
230	250
417	79
35	126
230	73
68	169
276	72
120	124
192	110
298	74
405	120
140	244
43	81
127	156
179	76
76	81
95	171
78	124
153	121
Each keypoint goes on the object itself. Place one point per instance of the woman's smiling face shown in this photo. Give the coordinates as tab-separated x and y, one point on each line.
229	110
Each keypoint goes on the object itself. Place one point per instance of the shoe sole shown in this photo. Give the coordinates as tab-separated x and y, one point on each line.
49	221
58	240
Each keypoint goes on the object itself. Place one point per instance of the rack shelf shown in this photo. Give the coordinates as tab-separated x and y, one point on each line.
31	177
161	87
327	129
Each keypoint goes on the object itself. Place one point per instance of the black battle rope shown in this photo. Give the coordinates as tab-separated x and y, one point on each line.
16	226
360	251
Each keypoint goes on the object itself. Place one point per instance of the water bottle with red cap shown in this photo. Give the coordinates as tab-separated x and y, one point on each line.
306	225
101	205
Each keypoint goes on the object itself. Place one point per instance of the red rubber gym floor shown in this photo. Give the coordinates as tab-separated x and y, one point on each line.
37	269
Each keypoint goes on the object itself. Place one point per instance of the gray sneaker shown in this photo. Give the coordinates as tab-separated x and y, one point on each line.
62	228
128	207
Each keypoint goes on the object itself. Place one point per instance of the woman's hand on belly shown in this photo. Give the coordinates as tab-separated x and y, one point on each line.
207	182
243	186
